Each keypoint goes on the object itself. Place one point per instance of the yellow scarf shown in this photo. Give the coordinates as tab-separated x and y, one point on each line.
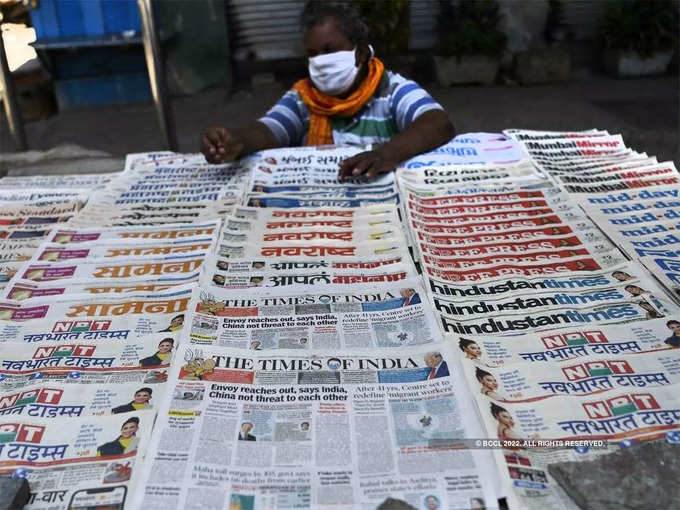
322	106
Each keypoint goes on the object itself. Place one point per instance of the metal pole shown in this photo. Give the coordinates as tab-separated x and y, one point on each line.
16	123
154	63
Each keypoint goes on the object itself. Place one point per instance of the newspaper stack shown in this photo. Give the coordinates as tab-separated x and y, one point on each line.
88	329
31	206
533	295
593	161
79	381
630	196
157	188
323	381
471	149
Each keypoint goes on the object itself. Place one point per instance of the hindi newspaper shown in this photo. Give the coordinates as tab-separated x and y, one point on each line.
526	437
178	270
571	343
521	382
115	251
142	360
57	399
21	290
93	315
75	462
137	234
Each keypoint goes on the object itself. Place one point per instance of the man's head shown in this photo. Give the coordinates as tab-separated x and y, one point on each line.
130	427
246	427
165	345
258	265
433	359
432	502
331	28
255	344
674	326
407	293
142	395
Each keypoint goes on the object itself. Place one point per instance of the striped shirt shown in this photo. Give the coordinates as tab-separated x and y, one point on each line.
395	104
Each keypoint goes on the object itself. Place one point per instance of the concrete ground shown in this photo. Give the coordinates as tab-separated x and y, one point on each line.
645	111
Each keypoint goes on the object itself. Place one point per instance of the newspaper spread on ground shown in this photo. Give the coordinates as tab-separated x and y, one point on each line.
76	462
571	343
521	382
340	317
287	430
93	315
527	437
56	399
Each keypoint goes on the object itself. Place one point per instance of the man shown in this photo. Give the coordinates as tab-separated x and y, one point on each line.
125	443
438	367
410	297
674	339
244	434
139	401
162	355
348	99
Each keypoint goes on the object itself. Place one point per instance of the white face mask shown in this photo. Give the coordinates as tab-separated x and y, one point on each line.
333	73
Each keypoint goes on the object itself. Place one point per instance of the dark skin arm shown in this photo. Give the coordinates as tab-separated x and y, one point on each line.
222	145
432	129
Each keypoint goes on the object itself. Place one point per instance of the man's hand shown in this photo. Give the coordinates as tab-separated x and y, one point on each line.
367	164
221	145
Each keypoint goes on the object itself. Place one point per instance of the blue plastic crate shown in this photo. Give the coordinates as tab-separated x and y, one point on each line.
72	18
116	89
94	61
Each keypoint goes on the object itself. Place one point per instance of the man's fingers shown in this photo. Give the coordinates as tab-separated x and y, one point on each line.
231	151
374	172
213	134
206	146
347	165
362	166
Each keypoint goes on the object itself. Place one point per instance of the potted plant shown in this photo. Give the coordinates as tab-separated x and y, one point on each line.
470	42
638	36
390	31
